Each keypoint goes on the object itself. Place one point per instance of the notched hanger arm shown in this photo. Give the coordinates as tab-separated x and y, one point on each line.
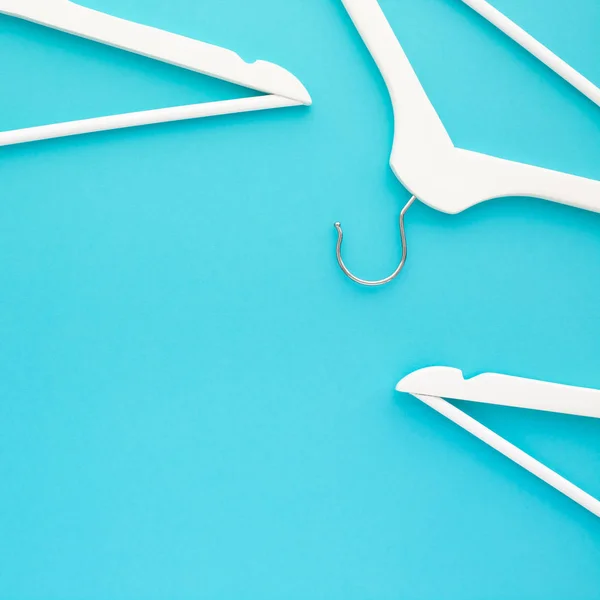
431	385
504	390
281	88
157	44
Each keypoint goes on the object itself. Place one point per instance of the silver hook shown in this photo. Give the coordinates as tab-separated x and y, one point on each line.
395	274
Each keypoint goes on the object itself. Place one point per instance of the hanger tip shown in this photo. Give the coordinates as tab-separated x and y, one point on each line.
413	382
283	83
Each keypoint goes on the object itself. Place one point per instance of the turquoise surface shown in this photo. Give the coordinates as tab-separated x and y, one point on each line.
194	401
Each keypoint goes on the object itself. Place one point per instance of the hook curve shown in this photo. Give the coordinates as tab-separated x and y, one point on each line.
399	268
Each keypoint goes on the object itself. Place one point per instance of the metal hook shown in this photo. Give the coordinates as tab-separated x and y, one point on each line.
395	274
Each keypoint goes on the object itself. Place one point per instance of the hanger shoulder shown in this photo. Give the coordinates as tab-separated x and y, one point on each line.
504	390
464	178
157	44
422	146
477	177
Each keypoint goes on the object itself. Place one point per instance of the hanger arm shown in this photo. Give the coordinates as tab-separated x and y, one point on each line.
505	390
483	177
527	41
157	44
431	385
511	451
146	117
417	123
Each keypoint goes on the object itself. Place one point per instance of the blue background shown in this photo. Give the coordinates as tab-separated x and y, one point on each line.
195	403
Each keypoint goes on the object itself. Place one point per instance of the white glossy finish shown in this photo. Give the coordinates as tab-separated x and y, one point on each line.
147	117
527	41
492	439
424	158
431	385
505	390
283	88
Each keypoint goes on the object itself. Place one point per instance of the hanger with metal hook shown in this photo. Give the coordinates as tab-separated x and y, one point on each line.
425	159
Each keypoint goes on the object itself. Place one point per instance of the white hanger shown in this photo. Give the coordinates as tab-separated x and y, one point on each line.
432	384
426	161
281	87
